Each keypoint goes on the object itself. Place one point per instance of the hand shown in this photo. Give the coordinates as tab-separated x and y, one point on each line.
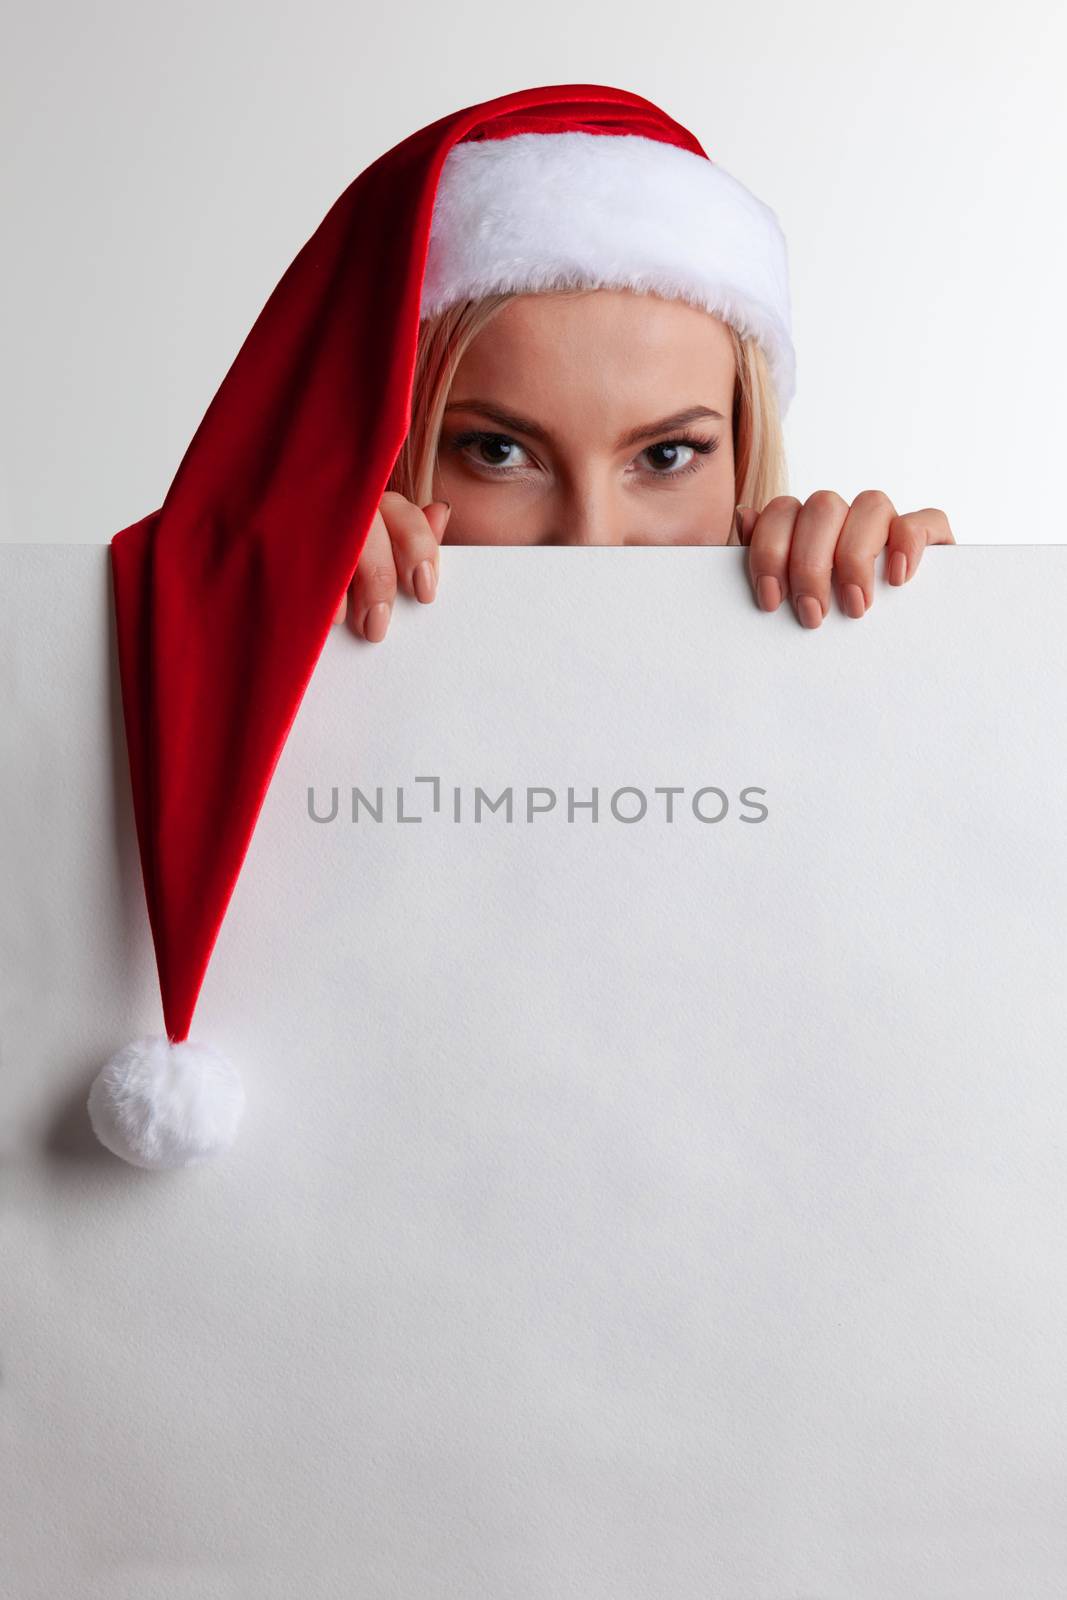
402	546
797	549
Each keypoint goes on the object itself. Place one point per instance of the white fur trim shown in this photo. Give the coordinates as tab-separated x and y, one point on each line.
550	210
158	1104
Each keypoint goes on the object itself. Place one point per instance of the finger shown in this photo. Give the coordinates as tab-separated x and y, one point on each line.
416	534
768	534
373	587
811	555
864	535
909	535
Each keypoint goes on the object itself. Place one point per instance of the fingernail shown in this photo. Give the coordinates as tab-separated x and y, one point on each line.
425	582
768	592
377	622
808	610
898	567
853	600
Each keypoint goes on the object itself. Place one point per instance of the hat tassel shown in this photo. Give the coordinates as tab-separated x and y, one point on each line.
165	1103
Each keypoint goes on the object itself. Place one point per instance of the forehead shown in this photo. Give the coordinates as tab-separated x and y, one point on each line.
617	349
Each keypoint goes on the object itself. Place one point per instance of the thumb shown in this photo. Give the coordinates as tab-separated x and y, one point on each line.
437	514
745	519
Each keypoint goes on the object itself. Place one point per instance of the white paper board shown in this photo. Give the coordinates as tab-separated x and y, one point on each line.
623	1210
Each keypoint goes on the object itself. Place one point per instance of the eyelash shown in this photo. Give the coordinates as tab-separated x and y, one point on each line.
703	447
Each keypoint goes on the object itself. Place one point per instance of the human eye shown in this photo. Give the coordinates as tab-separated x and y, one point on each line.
696	446
482	441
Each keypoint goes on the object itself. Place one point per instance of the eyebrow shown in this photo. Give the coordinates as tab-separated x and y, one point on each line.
511	419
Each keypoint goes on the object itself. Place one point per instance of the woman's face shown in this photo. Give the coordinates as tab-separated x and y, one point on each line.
598	418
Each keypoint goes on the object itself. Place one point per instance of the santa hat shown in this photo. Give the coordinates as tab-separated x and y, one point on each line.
225	596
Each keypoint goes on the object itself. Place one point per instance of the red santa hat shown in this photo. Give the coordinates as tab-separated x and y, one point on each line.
225	596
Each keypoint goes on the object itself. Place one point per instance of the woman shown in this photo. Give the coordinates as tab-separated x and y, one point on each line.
542	418
549	318
603	357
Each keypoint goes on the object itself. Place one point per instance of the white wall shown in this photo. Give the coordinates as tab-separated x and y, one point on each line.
162	165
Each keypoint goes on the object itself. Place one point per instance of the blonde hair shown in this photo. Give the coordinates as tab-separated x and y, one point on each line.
759	454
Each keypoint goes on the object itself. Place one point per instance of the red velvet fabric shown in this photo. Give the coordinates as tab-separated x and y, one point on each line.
224	597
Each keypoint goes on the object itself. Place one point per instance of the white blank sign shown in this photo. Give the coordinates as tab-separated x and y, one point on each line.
625	1209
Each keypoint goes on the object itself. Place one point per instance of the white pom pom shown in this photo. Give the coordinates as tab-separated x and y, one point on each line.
159	1104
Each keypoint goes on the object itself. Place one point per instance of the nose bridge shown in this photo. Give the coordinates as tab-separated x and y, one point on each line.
590	509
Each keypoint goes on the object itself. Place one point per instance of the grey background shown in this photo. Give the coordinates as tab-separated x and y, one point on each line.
160	167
